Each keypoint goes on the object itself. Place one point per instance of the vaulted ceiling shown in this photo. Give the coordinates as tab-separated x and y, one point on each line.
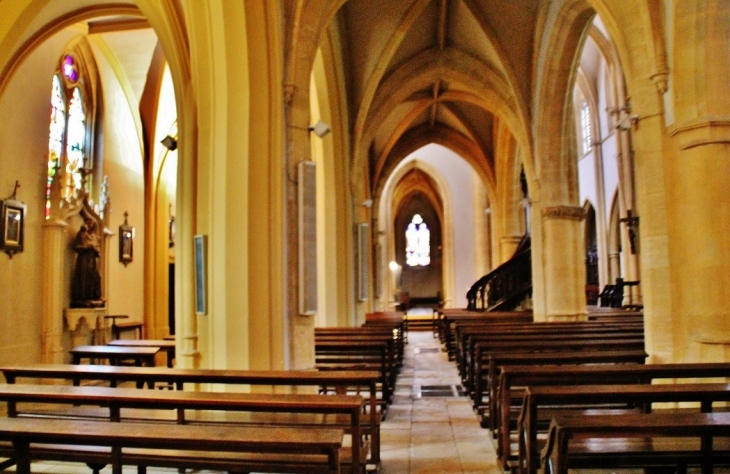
444	71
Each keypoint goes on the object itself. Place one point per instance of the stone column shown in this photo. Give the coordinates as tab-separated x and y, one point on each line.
52	290
507	246
698	203
699	224
563	263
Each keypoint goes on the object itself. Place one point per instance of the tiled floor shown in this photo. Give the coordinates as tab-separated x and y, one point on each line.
433	434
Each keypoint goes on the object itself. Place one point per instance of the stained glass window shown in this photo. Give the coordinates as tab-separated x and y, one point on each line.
418	243
67	135
55	137
76	131
70	71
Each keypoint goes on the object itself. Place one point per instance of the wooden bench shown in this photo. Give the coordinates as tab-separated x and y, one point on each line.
164	345
370	354
551	378
332	411
366	332
139	355
635	440
468	332
238	449
449	317
395	319
359	381
469	336
573	398
500	391
482	350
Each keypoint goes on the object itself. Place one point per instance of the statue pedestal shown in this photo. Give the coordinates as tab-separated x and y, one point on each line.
86	325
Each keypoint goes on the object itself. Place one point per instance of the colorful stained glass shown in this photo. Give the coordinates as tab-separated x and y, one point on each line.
55	137
418	243
75	143
69	68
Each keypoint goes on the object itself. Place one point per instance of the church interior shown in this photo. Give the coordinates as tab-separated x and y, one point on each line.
235	174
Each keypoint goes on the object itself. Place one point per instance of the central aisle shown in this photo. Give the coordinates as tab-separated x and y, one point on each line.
430	428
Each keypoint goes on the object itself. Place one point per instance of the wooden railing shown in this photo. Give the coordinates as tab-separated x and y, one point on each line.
506	286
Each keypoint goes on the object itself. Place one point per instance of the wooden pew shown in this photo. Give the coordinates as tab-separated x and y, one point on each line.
501	389
140	355
395	319
619	441
483	349
469	336
468	332
359	380
364	332
572	397
448	317
365	355
537	377
259	408
237	449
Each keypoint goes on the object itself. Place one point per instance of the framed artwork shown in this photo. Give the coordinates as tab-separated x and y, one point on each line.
201	280
12	226
126	242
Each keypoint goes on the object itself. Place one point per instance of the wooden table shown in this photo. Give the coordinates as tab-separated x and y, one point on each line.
163	344
188	444
140	355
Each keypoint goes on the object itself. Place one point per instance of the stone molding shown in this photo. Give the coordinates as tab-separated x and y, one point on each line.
570	213
702	131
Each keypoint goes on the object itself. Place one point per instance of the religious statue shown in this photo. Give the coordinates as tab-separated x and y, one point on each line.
86	282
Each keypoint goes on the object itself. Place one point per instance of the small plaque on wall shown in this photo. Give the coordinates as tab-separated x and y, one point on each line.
307	202
201	277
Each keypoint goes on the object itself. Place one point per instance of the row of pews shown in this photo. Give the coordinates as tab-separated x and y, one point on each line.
325	420
377	345
577	395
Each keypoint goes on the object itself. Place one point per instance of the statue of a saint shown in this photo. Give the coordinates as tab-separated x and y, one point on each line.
86	282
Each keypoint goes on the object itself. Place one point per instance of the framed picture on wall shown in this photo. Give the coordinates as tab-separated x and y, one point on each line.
12	226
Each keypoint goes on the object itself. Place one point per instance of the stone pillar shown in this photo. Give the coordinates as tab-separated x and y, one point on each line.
52	290
507	246
563	263
698	203
699	251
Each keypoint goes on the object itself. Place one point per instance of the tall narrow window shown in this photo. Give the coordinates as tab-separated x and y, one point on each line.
76	137
418	243
67	137
585	124
55	137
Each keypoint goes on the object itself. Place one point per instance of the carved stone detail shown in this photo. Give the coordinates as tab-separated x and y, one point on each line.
572	213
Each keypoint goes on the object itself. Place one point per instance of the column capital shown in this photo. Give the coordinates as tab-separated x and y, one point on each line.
570	213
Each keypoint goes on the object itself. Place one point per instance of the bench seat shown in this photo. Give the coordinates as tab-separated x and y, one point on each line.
637	441
143	444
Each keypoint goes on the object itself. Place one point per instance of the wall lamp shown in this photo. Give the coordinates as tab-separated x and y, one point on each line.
320	129
169	143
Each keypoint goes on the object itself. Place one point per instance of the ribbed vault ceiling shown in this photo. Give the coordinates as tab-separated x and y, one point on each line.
421	69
